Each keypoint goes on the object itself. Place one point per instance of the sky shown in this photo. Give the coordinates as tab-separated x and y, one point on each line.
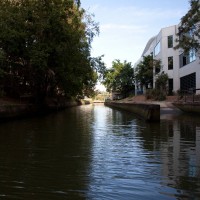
127	25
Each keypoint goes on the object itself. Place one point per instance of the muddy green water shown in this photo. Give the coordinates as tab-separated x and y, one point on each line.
95	152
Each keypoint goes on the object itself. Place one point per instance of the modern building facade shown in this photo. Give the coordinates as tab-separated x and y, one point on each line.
183	70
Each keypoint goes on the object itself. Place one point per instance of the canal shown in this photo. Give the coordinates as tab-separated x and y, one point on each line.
95	152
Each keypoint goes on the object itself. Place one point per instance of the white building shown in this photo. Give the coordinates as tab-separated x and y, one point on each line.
183	70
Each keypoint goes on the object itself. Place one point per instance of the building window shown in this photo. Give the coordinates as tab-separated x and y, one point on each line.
157	70
170	86
192	55
185	59
170	63
170	41
188	82
157	49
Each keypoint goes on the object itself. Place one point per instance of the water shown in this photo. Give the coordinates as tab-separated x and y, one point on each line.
94	152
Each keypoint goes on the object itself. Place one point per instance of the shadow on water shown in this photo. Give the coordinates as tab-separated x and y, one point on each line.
46	157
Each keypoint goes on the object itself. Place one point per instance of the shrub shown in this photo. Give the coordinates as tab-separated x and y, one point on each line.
155	94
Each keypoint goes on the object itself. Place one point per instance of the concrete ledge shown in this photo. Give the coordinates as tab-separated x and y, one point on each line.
148	112
188	106
17	111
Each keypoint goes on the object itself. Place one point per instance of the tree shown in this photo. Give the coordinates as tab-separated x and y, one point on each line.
126	79
99	67
189	29
120	78
161	83
160	91
144	71
45	47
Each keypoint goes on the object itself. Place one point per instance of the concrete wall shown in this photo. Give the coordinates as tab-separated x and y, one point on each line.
8	112
188	107
16	111
148	112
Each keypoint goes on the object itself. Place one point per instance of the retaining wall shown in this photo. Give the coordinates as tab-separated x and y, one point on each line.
148	112
188	107
16	111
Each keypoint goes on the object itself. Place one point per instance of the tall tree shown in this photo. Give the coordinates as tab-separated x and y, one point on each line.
126	79
189	29
45	46
144	70
120	78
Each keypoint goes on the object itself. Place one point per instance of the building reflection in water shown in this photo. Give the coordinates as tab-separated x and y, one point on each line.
181	154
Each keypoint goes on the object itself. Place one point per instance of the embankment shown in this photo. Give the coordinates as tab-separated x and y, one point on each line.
17	111
190	107
148	112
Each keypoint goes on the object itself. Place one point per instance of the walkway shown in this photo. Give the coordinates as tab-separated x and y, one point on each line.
166	107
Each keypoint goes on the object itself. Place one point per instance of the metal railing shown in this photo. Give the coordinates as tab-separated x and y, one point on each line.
189	95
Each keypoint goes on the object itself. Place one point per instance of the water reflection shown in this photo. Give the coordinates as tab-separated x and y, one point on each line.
179	150
132	158
45	158
181	160
94	152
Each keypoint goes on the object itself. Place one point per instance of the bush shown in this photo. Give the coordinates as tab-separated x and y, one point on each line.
150	93
155	94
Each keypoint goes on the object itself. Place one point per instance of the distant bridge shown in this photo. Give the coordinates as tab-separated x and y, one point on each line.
98	101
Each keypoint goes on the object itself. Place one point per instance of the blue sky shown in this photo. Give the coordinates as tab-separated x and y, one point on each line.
127	25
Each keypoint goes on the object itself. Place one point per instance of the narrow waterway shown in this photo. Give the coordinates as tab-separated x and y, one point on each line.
95	152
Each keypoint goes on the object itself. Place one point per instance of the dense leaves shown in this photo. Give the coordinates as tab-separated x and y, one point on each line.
45	48
120	78
144	71
189	30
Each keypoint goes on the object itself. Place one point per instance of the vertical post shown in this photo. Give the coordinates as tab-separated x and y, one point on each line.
193	96
184	95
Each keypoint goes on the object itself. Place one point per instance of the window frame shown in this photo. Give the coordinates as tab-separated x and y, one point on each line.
170	63
188	58
170	42
157	49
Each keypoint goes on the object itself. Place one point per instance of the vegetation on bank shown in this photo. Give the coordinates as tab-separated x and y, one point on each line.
45	52
45	49
120	78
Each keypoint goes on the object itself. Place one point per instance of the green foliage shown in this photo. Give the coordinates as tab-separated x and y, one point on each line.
155	94
99	67
151	94
45	47
160	91
120	78
161	81
144	70
161	86
189	30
